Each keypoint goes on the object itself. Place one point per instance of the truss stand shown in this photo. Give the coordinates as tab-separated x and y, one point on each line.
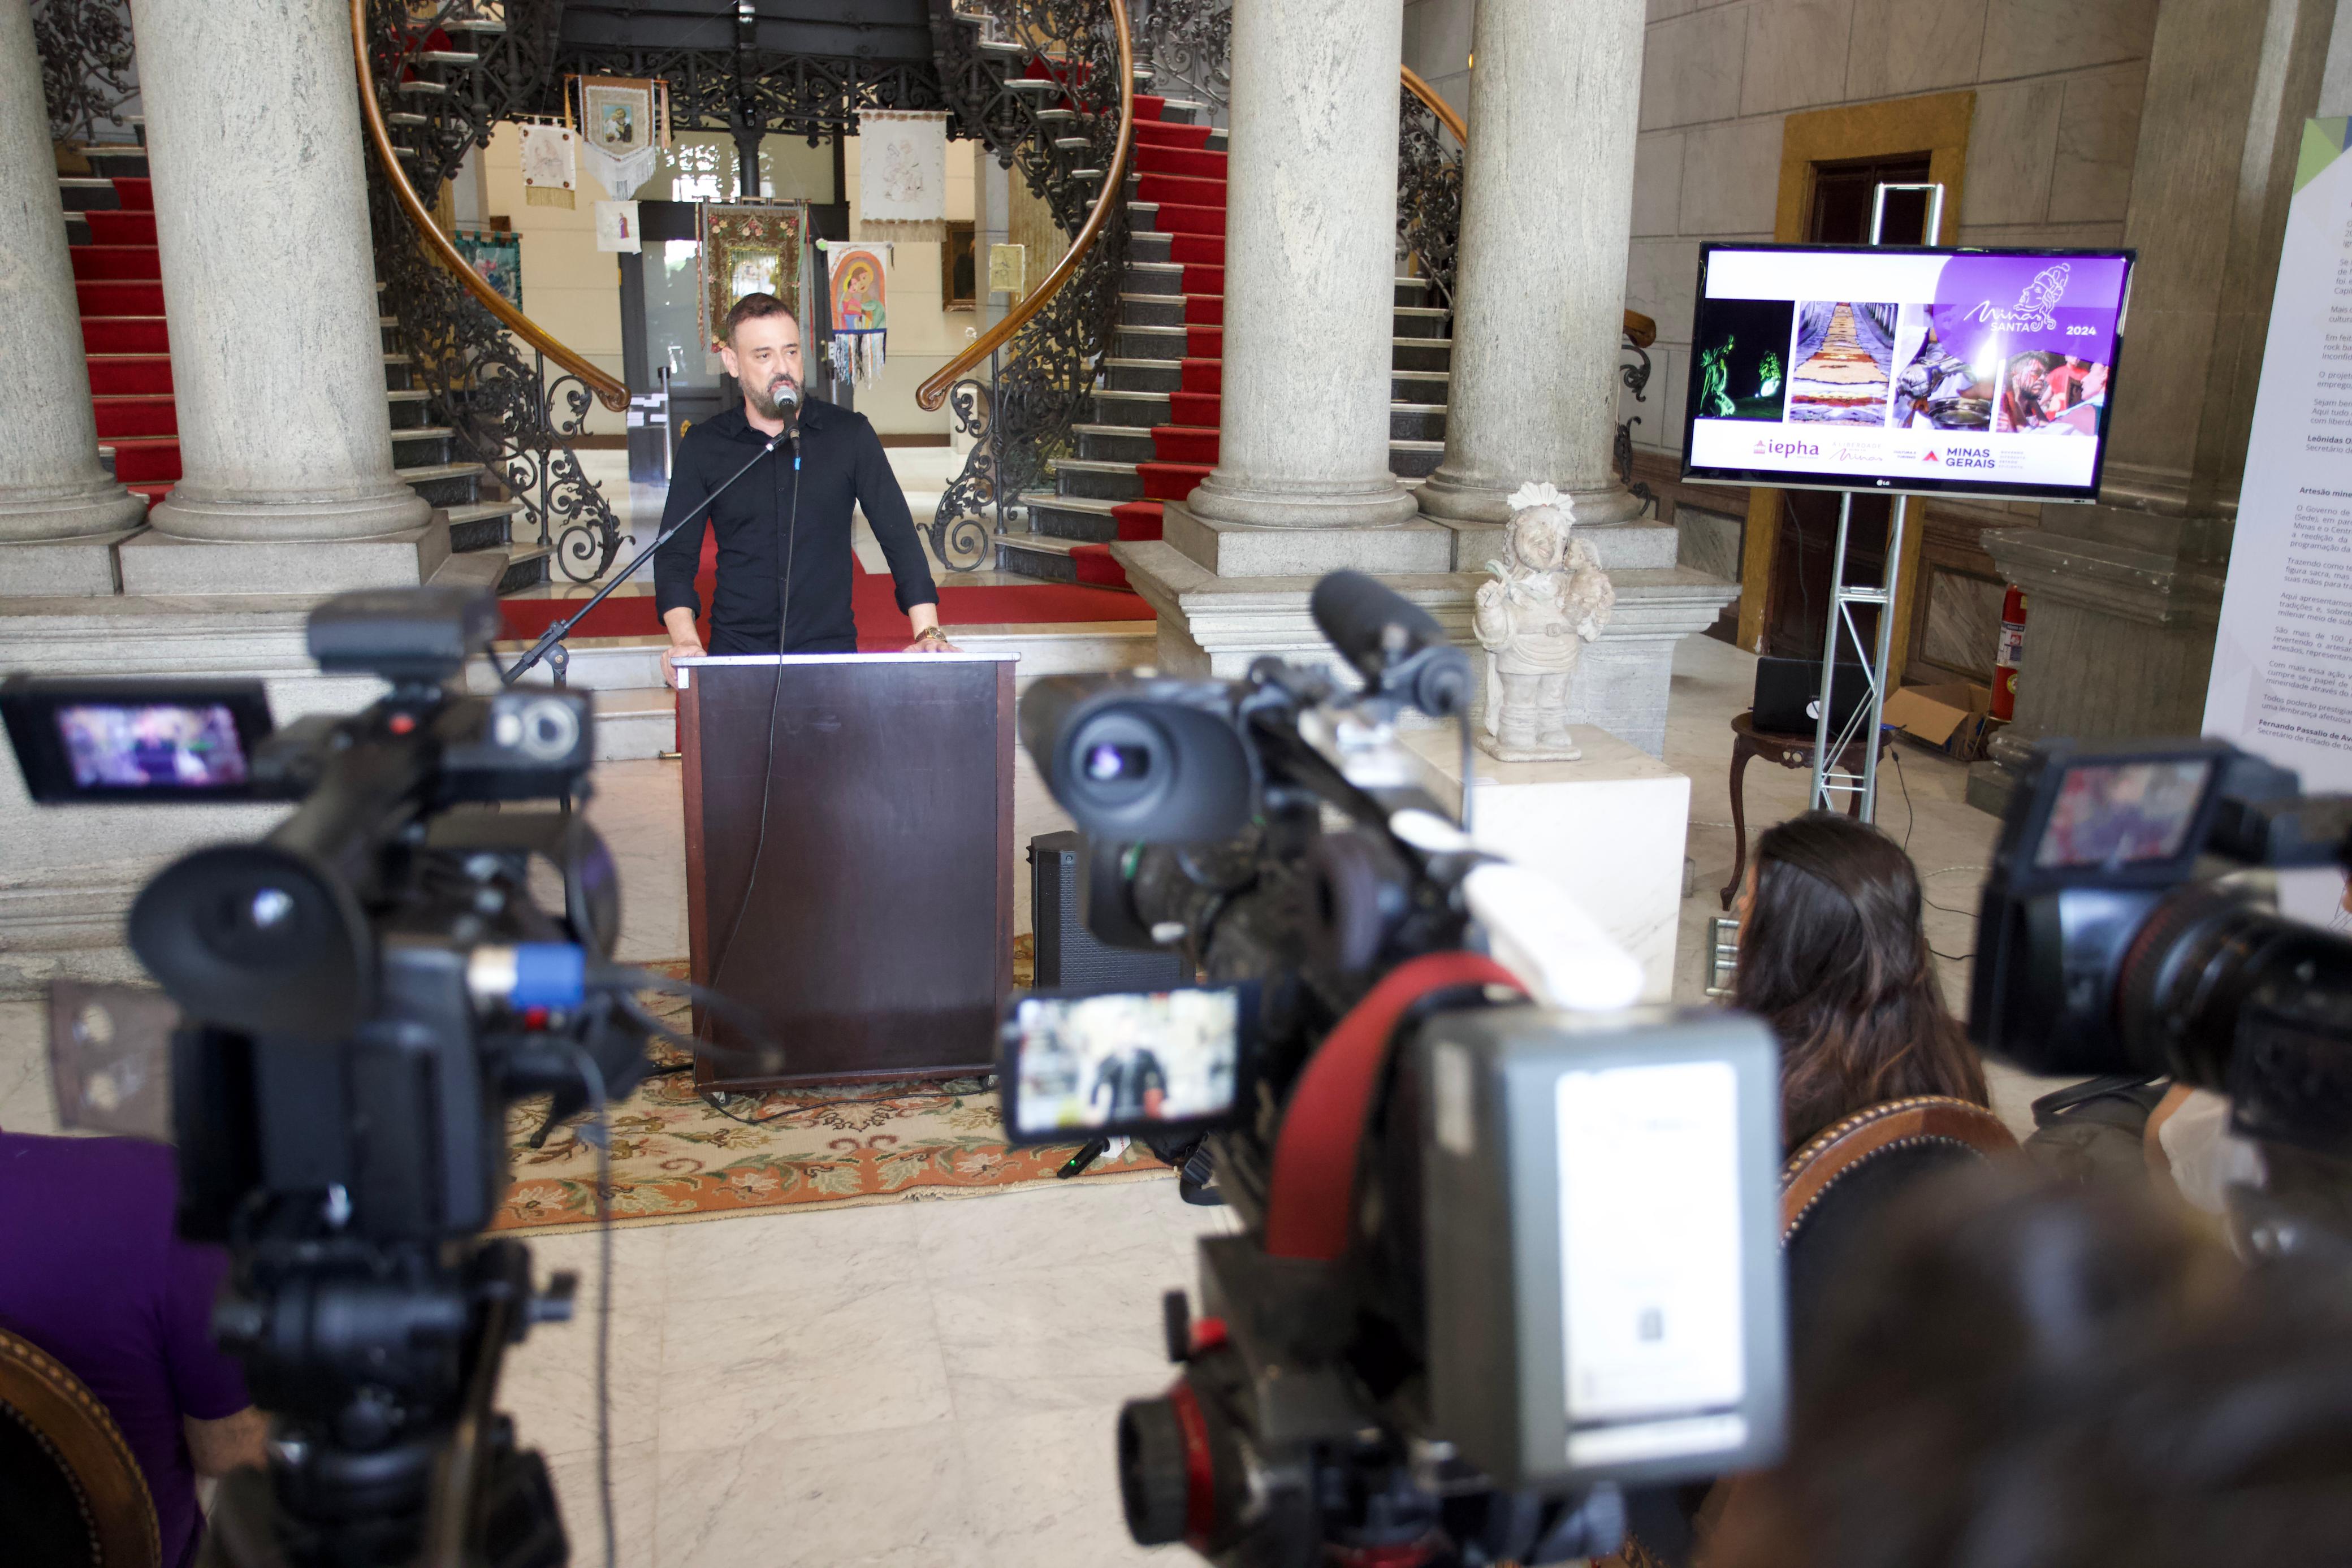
1830	781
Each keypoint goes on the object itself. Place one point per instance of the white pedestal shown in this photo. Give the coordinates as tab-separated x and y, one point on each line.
1608	828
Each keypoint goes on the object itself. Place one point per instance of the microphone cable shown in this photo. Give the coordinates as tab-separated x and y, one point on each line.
775	701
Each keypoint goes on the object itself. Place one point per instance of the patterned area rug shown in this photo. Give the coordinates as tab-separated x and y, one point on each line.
817	1147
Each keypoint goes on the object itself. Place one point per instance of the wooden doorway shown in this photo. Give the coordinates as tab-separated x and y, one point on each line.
1831	160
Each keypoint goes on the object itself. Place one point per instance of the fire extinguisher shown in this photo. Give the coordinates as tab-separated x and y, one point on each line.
2010	655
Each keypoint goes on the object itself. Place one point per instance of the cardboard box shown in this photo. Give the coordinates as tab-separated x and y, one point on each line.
1954	717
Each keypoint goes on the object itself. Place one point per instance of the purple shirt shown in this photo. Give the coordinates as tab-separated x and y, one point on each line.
92	1271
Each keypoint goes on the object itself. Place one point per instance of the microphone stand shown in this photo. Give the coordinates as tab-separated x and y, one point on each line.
550	646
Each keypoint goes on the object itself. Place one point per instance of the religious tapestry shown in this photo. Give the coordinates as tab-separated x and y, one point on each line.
856	276
616	226
622	130
550	165
749	249
496	255
902	175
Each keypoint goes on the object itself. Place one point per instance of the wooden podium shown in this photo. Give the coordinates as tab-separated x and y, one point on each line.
876	939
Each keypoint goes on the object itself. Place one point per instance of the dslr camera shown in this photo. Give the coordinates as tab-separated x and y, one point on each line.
1508	1241
361	996
2120	933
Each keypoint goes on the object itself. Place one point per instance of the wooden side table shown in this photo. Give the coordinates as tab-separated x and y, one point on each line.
1788	751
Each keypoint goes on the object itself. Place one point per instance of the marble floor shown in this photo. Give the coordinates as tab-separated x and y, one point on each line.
935	1382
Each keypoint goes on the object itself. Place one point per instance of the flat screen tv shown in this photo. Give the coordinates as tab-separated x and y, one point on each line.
1905	369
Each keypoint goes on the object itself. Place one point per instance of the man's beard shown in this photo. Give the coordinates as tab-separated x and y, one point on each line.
763	399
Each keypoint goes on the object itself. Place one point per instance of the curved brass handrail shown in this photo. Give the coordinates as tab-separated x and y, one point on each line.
933	393
1435	104
1639	330
612	393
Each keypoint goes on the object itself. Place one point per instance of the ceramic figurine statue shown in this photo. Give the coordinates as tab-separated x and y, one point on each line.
1549	597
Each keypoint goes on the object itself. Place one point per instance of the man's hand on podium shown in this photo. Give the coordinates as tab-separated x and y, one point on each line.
689	647
928	638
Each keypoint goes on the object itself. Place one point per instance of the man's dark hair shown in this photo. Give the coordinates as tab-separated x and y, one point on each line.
751	307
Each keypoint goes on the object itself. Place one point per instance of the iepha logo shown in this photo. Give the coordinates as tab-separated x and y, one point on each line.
2035	301
1767	447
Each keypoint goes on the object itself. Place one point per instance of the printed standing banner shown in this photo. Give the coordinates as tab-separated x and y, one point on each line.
856	277
616	226
749	249
902	176
496	255
620	132
550	165
2282	680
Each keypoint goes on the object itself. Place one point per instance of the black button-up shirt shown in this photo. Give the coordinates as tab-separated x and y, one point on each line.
840	461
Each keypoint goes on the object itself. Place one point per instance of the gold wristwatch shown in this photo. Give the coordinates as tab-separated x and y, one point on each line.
930	635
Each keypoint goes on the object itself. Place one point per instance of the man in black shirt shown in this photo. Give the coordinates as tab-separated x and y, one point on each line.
784	531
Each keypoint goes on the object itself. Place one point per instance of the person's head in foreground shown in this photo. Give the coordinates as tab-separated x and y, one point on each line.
1834	955
2018	1375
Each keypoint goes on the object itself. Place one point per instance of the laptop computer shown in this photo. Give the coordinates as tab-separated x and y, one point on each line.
1788	693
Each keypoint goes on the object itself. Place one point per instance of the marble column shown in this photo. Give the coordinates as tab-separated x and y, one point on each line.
2124	594
1310	272
254	141
60	512
1546	212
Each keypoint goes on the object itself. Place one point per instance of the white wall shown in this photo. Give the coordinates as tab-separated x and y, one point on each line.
568	287
574	290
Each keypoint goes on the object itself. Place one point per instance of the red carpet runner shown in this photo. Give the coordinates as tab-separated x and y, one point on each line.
119	279
1178	172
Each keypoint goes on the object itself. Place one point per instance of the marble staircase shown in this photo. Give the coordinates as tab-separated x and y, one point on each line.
1154	434
110	218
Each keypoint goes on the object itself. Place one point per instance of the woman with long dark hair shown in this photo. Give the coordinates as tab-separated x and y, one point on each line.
1834	955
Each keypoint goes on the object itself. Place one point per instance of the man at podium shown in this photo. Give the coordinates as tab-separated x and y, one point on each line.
784	528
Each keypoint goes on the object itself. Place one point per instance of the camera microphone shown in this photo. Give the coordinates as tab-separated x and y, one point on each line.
1397	646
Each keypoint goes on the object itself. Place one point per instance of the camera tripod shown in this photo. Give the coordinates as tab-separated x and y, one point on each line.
380	1368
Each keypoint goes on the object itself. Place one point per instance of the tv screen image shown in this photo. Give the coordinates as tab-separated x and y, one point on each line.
1905	369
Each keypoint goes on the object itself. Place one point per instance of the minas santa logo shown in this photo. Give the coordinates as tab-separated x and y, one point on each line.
2036	303
1769	447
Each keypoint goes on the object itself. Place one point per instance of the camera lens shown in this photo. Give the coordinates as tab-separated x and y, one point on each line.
1105	763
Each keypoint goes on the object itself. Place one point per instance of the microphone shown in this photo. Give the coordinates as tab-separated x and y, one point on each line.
787	399
1397	646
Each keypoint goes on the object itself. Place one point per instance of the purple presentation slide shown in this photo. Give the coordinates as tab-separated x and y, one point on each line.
1984	372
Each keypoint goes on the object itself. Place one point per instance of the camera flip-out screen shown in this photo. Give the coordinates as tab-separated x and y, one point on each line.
1122	1061
80	740
2123	812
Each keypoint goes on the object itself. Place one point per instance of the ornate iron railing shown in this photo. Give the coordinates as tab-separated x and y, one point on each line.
1045	353
88	72
1430	140
483	363
1190	45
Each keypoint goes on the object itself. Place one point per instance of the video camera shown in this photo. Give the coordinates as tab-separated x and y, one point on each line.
1510	1242
365	991
2118	934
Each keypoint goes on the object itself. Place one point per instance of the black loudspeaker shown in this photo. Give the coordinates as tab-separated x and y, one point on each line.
1069	956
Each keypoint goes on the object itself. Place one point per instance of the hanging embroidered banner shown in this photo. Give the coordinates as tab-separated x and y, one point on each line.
496	255
550	165
856	276
749	249
621	131
616	226
902	175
